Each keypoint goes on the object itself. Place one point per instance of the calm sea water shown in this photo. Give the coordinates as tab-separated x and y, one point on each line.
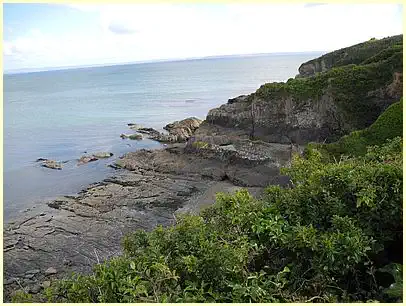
62	114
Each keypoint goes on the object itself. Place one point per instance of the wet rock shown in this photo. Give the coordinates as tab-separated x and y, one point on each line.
124	136
52	164
41	159
50	271
102	154
148	131
86	159
135	137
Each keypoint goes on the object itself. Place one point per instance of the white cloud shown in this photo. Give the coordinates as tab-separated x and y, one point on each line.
156	31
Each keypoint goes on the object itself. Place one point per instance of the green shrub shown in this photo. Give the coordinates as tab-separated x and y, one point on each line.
348	84
314	242
388	125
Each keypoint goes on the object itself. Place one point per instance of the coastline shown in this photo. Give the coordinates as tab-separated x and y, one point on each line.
242	144
149	187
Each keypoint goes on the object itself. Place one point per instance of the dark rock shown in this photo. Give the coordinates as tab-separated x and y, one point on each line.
41	159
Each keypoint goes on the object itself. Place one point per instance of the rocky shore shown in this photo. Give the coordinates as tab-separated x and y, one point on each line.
72	233
242	144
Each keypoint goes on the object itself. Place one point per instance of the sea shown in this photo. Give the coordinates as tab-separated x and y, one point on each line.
64	114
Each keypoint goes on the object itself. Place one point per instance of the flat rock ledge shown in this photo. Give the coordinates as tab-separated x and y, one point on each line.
72	233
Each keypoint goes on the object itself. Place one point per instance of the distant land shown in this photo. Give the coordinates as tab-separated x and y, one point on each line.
39	69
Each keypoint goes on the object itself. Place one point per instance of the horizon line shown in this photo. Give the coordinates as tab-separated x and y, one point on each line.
58	68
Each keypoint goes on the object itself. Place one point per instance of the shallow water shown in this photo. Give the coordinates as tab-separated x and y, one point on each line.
61	114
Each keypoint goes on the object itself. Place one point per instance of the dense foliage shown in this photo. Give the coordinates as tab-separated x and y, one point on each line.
388	125
350	85
321	240
360	53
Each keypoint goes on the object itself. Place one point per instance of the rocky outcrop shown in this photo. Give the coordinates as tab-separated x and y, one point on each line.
52	164
102	154
183	129
95	156
72	233
356	54
137	136
322	108
178	131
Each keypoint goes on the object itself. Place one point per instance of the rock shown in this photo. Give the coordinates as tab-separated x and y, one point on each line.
50	271
182	130
67	262
29	276
36	271
9	281
135	137
148	131
34	289
102	155
52	164
46	284
124	136
41	159
86	159
228	148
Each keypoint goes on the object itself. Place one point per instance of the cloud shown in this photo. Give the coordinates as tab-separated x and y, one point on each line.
137	32
120	28
310	5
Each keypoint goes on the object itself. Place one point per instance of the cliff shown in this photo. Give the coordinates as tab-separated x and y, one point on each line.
356	54
349	96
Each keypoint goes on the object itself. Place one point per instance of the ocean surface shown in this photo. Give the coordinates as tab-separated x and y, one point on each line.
62	114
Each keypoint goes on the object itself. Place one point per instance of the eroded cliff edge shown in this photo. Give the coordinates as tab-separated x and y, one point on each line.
348	94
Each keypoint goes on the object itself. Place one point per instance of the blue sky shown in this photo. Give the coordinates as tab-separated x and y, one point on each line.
55	35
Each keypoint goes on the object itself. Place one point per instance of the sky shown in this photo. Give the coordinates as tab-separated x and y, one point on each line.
59	35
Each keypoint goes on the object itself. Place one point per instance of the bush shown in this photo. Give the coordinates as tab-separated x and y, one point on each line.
388	125
317	241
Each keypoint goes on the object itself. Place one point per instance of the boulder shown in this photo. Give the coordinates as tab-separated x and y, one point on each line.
135	137
51	164
102	154
50	271
148	131
183	129
86	159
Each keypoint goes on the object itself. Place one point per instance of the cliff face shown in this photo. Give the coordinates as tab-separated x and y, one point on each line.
356	54
319	108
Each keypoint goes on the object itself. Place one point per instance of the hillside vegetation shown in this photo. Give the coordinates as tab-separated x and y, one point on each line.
388	125
335	236
358	54
348	94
